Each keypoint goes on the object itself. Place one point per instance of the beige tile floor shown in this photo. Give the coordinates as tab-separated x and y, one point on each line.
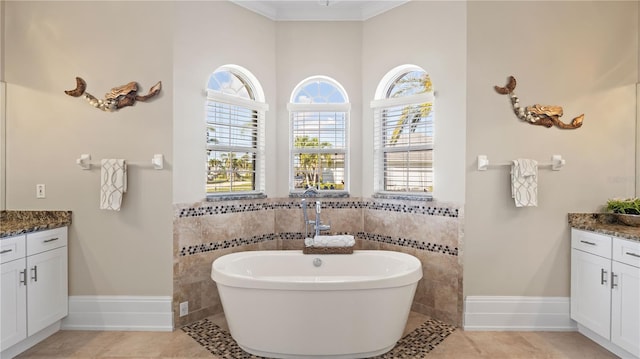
177	344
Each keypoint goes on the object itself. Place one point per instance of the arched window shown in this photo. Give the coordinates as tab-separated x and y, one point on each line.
403	125
319	112
235	132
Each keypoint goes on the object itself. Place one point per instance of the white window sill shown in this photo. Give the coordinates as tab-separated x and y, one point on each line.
234	196
320	194
407	196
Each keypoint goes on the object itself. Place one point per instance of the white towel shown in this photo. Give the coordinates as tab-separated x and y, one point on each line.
341	240
113	183
524	182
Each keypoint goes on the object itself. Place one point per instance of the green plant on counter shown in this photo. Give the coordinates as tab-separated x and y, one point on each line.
625	206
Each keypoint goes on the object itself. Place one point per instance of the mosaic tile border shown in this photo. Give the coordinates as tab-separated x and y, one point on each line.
413	209
404	242
215	209
416	344
237	242
227	243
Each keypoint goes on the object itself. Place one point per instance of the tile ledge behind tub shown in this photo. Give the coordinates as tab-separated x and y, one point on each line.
403	197
336	194
235	197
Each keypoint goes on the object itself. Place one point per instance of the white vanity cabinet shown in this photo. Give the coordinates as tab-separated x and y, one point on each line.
14	291
34	284
605	290
625	295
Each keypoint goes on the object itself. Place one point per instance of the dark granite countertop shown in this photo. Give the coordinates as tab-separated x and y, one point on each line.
604	223
13	223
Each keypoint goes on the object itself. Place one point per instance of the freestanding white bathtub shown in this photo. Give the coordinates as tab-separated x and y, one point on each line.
285	304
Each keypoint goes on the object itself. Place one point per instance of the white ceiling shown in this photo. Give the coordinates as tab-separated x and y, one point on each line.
319	10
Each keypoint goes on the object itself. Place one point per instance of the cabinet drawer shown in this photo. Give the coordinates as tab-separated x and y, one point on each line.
627	252
38	242
594	243
12	248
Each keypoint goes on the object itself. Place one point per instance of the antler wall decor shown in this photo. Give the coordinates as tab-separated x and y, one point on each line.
546	116
118	97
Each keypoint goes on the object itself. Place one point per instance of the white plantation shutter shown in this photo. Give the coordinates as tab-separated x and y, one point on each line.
235	130
319	127
403	144
326	121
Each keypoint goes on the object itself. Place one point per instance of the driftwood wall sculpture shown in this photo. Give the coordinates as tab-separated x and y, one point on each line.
546	116
118	97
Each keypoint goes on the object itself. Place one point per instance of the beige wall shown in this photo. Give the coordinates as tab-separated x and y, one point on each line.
307	49
2	113
108	44
582	56
638	135
2	23
207	35
432	35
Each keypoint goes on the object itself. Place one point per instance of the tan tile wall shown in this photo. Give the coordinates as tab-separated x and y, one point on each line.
439	293
192	273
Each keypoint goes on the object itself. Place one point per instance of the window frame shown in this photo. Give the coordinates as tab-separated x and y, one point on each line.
255	105
381	103
295	107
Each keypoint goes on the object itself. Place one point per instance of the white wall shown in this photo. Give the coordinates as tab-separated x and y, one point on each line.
431	35
582	56
108	44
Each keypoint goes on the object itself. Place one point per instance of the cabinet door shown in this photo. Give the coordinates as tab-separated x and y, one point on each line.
14	303
625	310
590	291
47	300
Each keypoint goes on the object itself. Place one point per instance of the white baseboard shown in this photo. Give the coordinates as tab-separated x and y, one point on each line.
518	313
147	313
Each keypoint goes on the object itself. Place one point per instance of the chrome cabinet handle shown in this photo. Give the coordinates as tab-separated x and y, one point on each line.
24	277
34	276
51	240
603	276
587	242
633	254
613	282
9	250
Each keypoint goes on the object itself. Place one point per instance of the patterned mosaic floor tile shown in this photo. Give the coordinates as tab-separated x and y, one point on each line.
416	344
